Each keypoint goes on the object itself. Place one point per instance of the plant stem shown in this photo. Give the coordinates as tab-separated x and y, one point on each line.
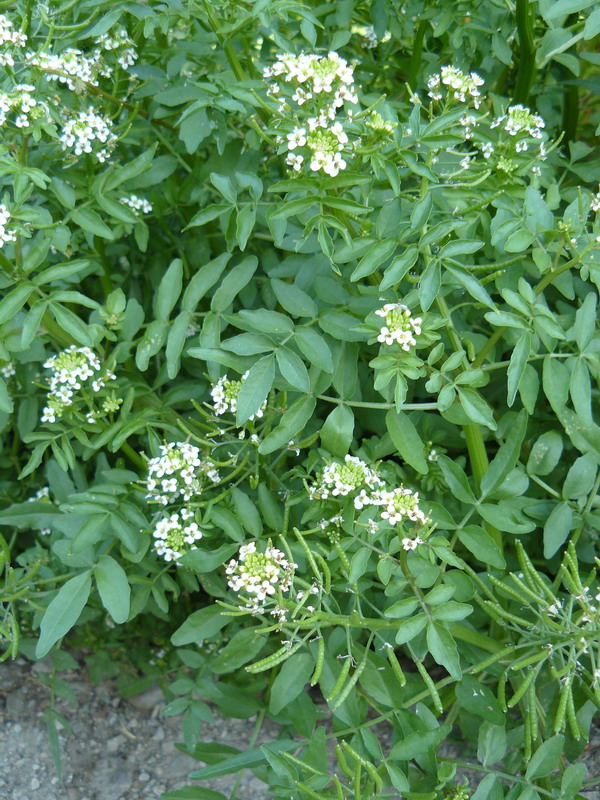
525	17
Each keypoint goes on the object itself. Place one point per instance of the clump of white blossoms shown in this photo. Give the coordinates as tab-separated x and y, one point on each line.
72	68
397	505
311	89
122	44
595	203
525	133
176	535
8	370
460	87
518	120
137	204
179	473
22	104
83	133
75	369
5	234
260	574
340	480
9	36
225	394
400	326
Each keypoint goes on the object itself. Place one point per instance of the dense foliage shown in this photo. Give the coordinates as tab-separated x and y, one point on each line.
299	357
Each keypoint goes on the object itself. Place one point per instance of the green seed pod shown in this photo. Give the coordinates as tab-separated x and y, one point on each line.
274	659
571	717
357	775
342	762
309	792
395	665
431	687
527	662
351	683
343	557
522	689
532	709
319	662
527	591
326	571
309	556
561	711
518	596
501	695
527	737
337	687
487	662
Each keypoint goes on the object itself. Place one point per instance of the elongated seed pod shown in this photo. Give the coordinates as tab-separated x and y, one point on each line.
571	717
310	792
351	683
326	571
319	662
343	557
487	662
532	707
507	616
509	590
527	591
533	659
521	689
298	762
309	556
395	665
527	737
559	719
531	573
501	693
357	776
366	764
338	788
337	687
431	687
342	762
274	659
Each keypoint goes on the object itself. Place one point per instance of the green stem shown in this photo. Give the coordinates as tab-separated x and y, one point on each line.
382	406
525	17
417	51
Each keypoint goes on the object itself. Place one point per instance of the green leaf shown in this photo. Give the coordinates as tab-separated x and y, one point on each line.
14	301
337	431
199	626
207	215
545	453
224	186
506	457
92	222
580	477
459	247
545	758
443	648
555	380
246	512
482	545
244	226
561	8
194	793
233	283
471	284
476	408
293	299
410	628
203	280
113	587
255	388
243	647
516	367
557	528
292	369
399	267
315	348
169	290
249	760
63	611
418	743
491	743
131	170
290	681
202	561
292	423
456	479
478	699
406	440
572	780
375	256
402	609
505	518
71	324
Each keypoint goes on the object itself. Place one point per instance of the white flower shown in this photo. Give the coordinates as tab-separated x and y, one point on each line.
225	393
411	544
295	161
186	473
400	326
595	203
82	133
137	204
340	480
260	574
72	369
5	235
175	535
297	138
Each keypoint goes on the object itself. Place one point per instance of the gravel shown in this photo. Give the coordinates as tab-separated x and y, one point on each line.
119	749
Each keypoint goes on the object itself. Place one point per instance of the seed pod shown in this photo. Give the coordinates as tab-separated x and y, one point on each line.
559	719
518	596
338	788
507	616
527	591
527	737
309	792
522	689
487	662
343	557
527	662
366	764
326	571
337	687
319	662
395	665
351	683
431	687
501	694
532	708
571	717
309	556
357	773
342	762
274	659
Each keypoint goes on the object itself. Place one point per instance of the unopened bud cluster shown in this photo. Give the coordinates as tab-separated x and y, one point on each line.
457	86
179	473
400	326
76	370
340	480
225	395
260	574
176	535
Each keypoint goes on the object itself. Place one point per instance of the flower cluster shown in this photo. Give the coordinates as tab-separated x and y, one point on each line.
42	494
312	89
397	505
21	102
178	473
522	126
461	87
83	133
225	396
74	369
340	480
122	44
519	120
137	204
260	574
370	38
176	535
400	326
5	235
9	36
595	203
72	68
8	370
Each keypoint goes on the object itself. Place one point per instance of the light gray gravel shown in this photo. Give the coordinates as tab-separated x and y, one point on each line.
123	749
